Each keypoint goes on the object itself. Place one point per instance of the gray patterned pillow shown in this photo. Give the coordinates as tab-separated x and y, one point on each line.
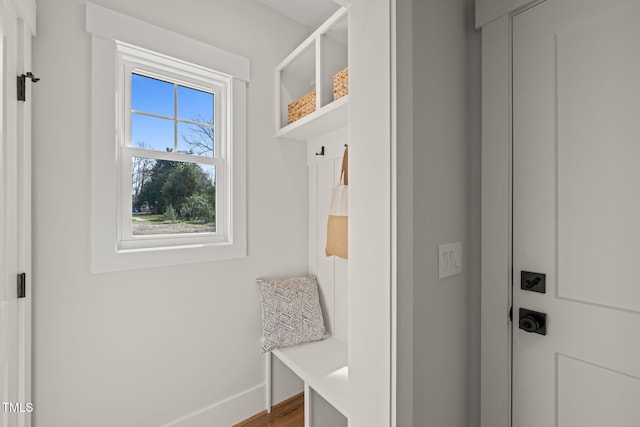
291	312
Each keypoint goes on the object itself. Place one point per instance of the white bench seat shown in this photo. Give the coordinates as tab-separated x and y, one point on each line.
323	367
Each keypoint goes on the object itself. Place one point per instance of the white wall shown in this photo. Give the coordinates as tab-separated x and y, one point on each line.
369	214
143	348
446	161
435	170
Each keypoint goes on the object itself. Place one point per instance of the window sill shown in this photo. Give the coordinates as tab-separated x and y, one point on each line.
130	259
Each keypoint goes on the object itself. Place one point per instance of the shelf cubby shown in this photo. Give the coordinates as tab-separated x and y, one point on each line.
296	79
334	56
310	66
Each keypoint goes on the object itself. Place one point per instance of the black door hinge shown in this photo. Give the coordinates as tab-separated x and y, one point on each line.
22	85
511	314
22	285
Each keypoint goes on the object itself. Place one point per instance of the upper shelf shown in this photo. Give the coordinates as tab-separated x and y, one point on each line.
332	116
311	66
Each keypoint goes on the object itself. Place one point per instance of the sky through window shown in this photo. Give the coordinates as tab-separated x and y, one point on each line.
156	125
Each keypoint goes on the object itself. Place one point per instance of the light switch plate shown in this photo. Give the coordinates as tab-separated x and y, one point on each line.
449	259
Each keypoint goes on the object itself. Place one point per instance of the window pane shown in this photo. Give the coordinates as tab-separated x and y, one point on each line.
152	133
195	105
152	95
195	139
172	197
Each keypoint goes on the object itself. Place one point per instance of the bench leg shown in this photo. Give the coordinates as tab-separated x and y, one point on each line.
268	381
307	405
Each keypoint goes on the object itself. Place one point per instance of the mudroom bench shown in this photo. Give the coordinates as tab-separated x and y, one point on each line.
322	366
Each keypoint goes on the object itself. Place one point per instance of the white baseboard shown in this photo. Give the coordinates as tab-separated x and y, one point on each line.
227	412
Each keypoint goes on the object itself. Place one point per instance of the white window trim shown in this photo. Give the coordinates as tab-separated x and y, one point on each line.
107	28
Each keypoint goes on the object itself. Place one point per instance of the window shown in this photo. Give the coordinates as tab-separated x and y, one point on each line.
173	152
169	186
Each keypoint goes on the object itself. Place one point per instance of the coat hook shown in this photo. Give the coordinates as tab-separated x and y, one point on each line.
30	75
321	153
346	145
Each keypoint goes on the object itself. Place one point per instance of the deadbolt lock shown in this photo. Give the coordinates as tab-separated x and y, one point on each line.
533	282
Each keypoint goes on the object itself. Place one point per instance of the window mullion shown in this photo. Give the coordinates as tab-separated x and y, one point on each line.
191	122
144	113
175	117
174	157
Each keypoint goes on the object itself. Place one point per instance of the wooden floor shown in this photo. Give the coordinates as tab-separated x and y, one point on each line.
289	413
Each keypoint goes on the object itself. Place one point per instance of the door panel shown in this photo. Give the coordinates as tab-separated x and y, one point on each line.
580	382
576	212
598	153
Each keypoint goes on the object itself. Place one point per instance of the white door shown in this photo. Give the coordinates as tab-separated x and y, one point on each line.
15	218
576	212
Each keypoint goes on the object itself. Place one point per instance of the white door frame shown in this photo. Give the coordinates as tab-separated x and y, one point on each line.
26	13
494	16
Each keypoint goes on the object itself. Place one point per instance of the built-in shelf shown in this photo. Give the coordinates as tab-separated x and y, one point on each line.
311	66
332	116
322	365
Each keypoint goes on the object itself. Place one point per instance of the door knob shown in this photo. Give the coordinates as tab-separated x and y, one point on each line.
529	323
533	321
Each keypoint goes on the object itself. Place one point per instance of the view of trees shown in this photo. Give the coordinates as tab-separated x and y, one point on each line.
185	187
178	190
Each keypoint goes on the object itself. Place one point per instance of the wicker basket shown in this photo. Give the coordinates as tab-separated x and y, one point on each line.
302	106
341	84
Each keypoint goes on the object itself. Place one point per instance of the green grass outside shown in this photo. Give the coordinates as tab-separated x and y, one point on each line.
159	219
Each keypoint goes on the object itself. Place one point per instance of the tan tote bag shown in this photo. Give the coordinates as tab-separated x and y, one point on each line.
338	224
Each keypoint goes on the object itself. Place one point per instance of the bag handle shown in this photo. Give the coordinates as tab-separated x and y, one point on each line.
344	174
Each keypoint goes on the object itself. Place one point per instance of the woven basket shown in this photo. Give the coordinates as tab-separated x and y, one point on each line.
302	106
341	84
